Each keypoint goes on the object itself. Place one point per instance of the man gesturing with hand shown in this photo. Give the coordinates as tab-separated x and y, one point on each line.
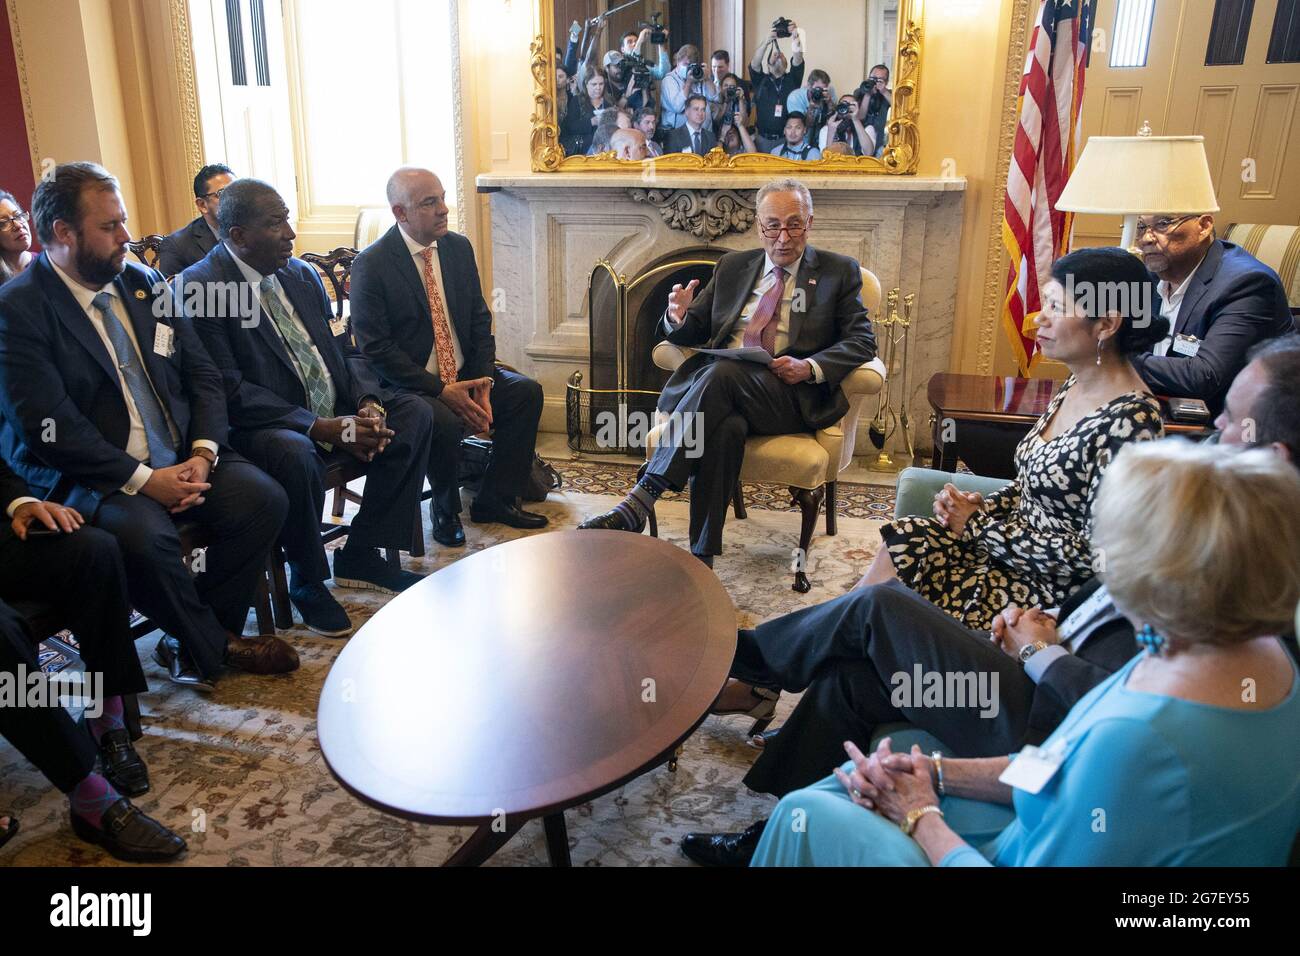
300	396
421	320
802	306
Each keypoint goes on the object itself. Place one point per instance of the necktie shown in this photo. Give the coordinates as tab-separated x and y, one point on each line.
441	330
760	332
162	450
320	391
699	147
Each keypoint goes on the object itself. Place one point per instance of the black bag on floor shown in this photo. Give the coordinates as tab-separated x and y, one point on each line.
475	453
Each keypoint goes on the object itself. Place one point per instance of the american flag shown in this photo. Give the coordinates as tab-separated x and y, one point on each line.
1048	139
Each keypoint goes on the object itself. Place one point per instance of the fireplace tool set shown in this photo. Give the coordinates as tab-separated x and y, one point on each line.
892	342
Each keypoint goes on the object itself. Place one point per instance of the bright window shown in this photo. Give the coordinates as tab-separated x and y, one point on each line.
1132	34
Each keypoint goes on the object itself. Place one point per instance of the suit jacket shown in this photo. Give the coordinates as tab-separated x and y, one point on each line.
833	329
1069	678
1232	302
391	317
12	486
261	380
184	247
64	422
679	140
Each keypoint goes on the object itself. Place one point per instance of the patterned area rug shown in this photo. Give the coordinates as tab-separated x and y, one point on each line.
240	772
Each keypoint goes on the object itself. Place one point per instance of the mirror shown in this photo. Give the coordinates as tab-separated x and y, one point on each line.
727	84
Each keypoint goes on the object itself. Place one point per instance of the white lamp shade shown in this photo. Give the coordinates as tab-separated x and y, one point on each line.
1132	175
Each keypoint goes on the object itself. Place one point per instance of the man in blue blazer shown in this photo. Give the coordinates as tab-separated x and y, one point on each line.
299	393
1219	299
798	307
109	404
420	318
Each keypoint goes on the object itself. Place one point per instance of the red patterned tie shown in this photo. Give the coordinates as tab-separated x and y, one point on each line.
760	332
441	330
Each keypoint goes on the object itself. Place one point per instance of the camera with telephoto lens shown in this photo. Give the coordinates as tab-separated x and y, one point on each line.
868	87
656	26
695	71
782	27
817	94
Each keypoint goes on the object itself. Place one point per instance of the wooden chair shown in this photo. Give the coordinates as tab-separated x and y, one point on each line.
146	249
335	267
808	463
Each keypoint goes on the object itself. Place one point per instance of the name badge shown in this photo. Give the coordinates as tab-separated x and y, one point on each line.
338	326
1034	766
1187	345
780	111
164	340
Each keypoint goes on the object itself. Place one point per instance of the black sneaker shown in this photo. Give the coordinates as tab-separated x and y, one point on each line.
320	612
363	568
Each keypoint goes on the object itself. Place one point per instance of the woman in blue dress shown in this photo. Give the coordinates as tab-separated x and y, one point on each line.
1186	756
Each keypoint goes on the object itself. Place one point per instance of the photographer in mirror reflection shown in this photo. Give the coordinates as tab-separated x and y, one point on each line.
880	99
690	78
774	80
845	126
815	102
796	145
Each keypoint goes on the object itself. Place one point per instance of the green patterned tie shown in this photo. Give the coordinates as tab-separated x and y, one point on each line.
320	391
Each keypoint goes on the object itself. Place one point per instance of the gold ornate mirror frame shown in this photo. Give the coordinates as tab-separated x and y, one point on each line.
901	155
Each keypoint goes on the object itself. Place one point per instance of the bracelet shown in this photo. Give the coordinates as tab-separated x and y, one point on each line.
914	816
938	771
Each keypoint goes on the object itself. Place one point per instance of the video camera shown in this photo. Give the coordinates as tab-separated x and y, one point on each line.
782	27
637	66
656	27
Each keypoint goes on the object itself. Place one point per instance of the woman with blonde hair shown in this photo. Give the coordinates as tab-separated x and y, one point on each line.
1187	756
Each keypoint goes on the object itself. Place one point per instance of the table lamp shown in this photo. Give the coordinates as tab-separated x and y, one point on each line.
1143	174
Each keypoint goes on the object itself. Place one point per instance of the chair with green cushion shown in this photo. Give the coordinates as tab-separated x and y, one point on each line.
914	498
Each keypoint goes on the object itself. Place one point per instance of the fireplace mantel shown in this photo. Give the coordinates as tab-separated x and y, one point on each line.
549	229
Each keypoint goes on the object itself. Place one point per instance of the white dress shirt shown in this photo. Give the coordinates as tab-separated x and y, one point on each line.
417	253
765	281
1171	301
254	277
137	445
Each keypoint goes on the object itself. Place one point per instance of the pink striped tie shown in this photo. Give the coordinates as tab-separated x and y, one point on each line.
760	332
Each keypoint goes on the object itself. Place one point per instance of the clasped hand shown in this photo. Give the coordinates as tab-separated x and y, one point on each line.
890	784
1015	627
179	487
470	400
953	508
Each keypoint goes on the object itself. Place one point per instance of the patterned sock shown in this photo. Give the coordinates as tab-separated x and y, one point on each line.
110	719
91	798
640	502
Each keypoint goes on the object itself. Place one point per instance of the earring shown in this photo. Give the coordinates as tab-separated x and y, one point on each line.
1099	351
1152	641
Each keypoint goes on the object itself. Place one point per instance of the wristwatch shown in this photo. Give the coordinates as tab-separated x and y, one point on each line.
910	821
1029	650
209	456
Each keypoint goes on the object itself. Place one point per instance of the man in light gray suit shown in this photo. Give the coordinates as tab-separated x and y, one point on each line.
802	306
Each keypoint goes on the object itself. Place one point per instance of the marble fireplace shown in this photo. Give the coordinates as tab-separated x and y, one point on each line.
548	230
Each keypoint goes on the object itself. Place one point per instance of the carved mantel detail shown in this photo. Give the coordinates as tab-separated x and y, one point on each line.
705	213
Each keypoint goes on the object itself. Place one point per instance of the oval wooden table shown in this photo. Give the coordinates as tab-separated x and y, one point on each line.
525	679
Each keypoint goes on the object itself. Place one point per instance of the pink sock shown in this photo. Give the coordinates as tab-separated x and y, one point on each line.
111	719
91	798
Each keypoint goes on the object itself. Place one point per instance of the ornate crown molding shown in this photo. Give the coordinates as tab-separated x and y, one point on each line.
705	213
187	88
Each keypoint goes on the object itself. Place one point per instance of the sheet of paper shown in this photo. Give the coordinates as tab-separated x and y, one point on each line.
761	356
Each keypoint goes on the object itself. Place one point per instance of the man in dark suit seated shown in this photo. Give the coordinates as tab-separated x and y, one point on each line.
799	304
419	317
1219	299
298	393
109	407
48	558
191	243
851	655
696	134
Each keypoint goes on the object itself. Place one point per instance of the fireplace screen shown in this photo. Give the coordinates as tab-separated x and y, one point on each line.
612	413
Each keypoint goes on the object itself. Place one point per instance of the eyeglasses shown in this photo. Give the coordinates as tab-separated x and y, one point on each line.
215	195
1161	227
12	222
794	232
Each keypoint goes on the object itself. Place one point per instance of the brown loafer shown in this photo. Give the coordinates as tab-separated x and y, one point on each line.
261	655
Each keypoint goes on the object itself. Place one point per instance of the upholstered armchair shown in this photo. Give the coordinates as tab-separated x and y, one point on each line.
809	464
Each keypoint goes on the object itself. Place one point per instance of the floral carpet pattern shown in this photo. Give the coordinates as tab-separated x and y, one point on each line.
240	772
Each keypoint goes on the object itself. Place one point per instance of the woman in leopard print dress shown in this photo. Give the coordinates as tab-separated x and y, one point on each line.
1028	544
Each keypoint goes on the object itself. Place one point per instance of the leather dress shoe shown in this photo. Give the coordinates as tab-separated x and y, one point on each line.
507	513
130	835
122	765
723	849
261	655
613	521
448	531
180	668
